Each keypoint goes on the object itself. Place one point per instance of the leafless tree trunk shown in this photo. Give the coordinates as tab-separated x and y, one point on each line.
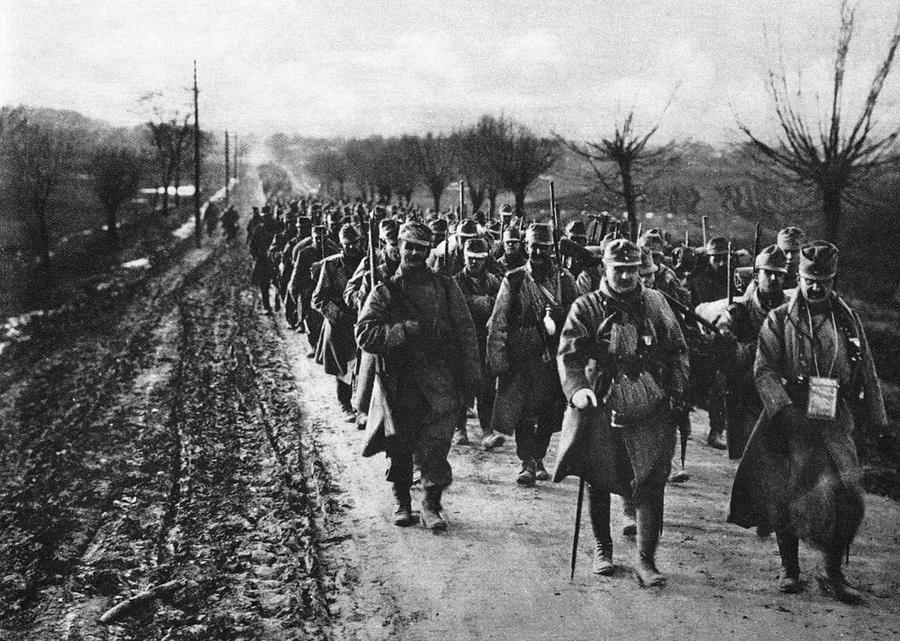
834	155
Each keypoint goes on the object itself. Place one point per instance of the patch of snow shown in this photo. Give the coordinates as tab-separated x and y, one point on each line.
137	263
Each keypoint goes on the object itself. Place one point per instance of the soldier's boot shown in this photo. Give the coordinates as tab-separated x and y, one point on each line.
649	522
540	472
834	582
403	514
491	439
461	436
716	439
526	474
789	577
598	508
431	510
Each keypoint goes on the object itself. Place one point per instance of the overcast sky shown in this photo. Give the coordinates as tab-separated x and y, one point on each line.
357	67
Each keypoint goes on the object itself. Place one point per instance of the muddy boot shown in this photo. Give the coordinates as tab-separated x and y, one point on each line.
789	577
526	474
403	514
716	439
649	521
598	508
460	436
834	582
540	472
431	510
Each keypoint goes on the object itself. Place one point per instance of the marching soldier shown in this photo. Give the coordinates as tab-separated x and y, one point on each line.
741	323
800	476
589	278
419	323
448	257
522	338
513	256
577	233
336	349
619	432
260	240
479	288
711	282
302	283
790	240
438	228
665	279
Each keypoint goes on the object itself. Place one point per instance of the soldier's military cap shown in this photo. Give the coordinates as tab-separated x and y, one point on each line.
512	234
388	229
717	246
576	229
622	253
348	234
606	240
415	233
771	259
467	228
438	226
653	242
790	239
818	260
647	264
539	234
476	248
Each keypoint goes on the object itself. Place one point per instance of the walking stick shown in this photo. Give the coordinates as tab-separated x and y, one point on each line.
577	527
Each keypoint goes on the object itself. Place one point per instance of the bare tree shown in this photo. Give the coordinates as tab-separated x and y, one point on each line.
628	152
40	154
436	161
835	156
171	140
116	170
330	167
515	155
481	181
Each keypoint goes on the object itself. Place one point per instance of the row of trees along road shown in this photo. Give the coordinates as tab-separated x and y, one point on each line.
39	147
494	155
837	157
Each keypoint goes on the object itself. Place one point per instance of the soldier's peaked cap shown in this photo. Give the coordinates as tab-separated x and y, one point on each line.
512	234
790	239
818	260
716	246
348	234
622	253
415	233
576	228
467	229
772	259
653	242
387	229
539	234
476	248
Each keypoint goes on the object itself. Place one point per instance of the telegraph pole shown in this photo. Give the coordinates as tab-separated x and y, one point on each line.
197	225
227	167
235	156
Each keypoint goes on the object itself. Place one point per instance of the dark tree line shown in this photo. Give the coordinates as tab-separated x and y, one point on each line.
494	155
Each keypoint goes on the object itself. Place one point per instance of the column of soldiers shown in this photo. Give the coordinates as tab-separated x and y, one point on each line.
609	341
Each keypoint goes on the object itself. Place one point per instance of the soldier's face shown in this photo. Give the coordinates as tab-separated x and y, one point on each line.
351	250
816	289
622	278
392	251
793	259
413	255
476	264
649	279
539	254
513	246
769	282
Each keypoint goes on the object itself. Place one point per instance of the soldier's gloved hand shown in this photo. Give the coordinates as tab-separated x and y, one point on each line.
583	399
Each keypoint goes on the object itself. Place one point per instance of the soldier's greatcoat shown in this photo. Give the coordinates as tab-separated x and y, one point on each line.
435	373
519	351
807	482
744	319
337	346
621	460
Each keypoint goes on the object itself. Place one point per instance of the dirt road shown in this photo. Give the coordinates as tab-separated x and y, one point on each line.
178	453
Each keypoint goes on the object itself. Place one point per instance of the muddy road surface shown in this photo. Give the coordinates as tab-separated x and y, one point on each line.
176	466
